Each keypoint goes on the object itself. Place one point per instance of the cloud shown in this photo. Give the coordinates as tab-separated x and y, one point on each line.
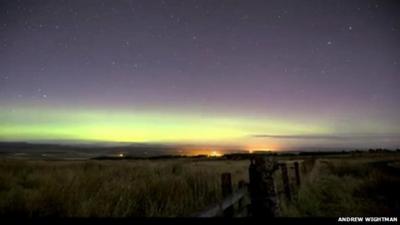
330	137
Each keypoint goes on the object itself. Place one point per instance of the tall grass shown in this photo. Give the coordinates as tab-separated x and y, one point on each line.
347	187
162	188
180	187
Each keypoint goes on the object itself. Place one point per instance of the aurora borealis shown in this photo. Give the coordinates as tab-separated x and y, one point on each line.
148	127
252	74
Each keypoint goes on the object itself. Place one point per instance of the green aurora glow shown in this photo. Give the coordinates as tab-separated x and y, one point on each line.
34	123
96	125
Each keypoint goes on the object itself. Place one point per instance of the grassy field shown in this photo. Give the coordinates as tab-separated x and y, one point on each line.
331	186
354	186
164	188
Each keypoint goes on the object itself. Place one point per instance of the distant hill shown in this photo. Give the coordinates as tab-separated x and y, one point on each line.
134	150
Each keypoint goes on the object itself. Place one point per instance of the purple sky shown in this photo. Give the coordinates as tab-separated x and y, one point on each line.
335	62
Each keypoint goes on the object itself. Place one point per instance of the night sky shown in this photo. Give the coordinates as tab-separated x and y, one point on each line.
254	74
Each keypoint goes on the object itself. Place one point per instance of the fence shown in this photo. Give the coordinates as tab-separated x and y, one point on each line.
259	197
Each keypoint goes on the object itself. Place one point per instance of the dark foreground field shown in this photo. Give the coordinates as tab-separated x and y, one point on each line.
348	185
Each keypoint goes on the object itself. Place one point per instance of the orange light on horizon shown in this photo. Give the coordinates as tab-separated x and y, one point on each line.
251	148
207	150
214	154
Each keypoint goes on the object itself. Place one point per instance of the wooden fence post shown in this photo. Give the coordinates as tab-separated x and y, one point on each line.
264	201
226	186
242	184
297	172
285	179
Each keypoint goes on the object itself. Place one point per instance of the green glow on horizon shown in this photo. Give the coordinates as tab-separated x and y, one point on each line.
96	125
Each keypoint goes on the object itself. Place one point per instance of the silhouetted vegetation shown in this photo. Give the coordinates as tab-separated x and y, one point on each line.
177	187
367	186
333	184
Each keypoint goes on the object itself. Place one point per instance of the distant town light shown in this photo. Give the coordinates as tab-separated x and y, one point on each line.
215	154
